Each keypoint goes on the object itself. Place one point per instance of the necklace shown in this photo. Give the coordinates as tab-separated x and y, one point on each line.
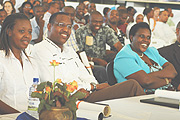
141	55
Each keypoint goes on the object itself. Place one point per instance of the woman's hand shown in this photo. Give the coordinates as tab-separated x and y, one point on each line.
100	61
84	91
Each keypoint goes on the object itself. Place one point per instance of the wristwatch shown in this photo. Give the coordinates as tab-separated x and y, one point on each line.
94	86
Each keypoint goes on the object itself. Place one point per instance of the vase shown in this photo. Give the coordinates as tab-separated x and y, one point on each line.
56	114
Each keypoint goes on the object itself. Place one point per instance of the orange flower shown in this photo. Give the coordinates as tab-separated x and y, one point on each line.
74	83
70	88
58	80
38	92
54	63
48	89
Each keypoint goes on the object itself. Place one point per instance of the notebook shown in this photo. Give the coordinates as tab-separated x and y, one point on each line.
173	103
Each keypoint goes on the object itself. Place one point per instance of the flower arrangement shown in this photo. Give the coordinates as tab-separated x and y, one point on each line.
58	94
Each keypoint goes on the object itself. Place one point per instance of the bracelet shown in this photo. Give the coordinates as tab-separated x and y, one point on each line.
167	81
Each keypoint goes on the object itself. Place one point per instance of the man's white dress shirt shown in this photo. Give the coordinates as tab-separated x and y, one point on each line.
69	69
16	80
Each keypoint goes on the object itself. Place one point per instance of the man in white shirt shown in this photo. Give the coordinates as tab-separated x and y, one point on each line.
38	24
163	31
71	68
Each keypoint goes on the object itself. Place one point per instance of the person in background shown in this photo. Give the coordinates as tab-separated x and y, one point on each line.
121	7
105	17
123	16
79	18
25	8
71	42
61	3
156	13
31	1
53	8
148	18
113	18
163	31
52	48
143	63
37	2
38	24
91	8
98	71
45	6
92	39
138	17
9	7
3	15
170	16
86	3
131	11
13	2
171	53
16	69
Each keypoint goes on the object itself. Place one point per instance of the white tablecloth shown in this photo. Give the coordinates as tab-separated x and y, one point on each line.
131	109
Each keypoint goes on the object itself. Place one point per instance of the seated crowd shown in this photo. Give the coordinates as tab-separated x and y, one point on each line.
39	32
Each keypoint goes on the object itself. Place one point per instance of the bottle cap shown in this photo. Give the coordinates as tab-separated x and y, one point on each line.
35	79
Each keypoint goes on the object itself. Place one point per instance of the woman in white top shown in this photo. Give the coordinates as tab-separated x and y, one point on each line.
138	17
16	70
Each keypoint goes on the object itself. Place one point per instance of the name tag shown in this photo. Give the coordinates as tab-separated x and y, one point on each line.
89	40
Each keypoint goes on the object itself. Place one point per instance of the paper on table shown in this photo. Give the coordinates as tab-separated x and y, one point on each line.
85	61
92	115
100	108
168	94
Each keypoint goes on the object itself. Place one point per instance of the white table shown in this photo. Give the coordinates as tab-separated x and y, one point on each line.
132	109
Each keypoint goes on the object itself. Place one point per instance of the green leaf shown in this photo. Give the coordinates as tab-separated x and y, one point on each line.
36	95
78	95
71	105
41	86
48	107
51	102
49	84
41	105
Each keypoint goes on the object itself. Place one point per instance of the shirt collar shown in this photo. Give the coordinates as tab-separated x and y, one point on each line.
53	47
23	56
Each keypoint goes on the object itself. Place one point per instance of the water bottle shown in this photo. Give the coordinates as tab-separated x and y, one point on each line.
33	102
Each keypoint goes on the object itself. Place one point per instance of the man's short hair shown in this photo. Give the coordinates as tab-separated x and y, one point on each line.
147	10
95	13
105	10
53	16
122	11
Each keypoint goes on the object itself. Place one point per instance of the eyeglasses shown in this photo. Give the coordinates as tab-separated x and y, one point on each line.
143	37
62	25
